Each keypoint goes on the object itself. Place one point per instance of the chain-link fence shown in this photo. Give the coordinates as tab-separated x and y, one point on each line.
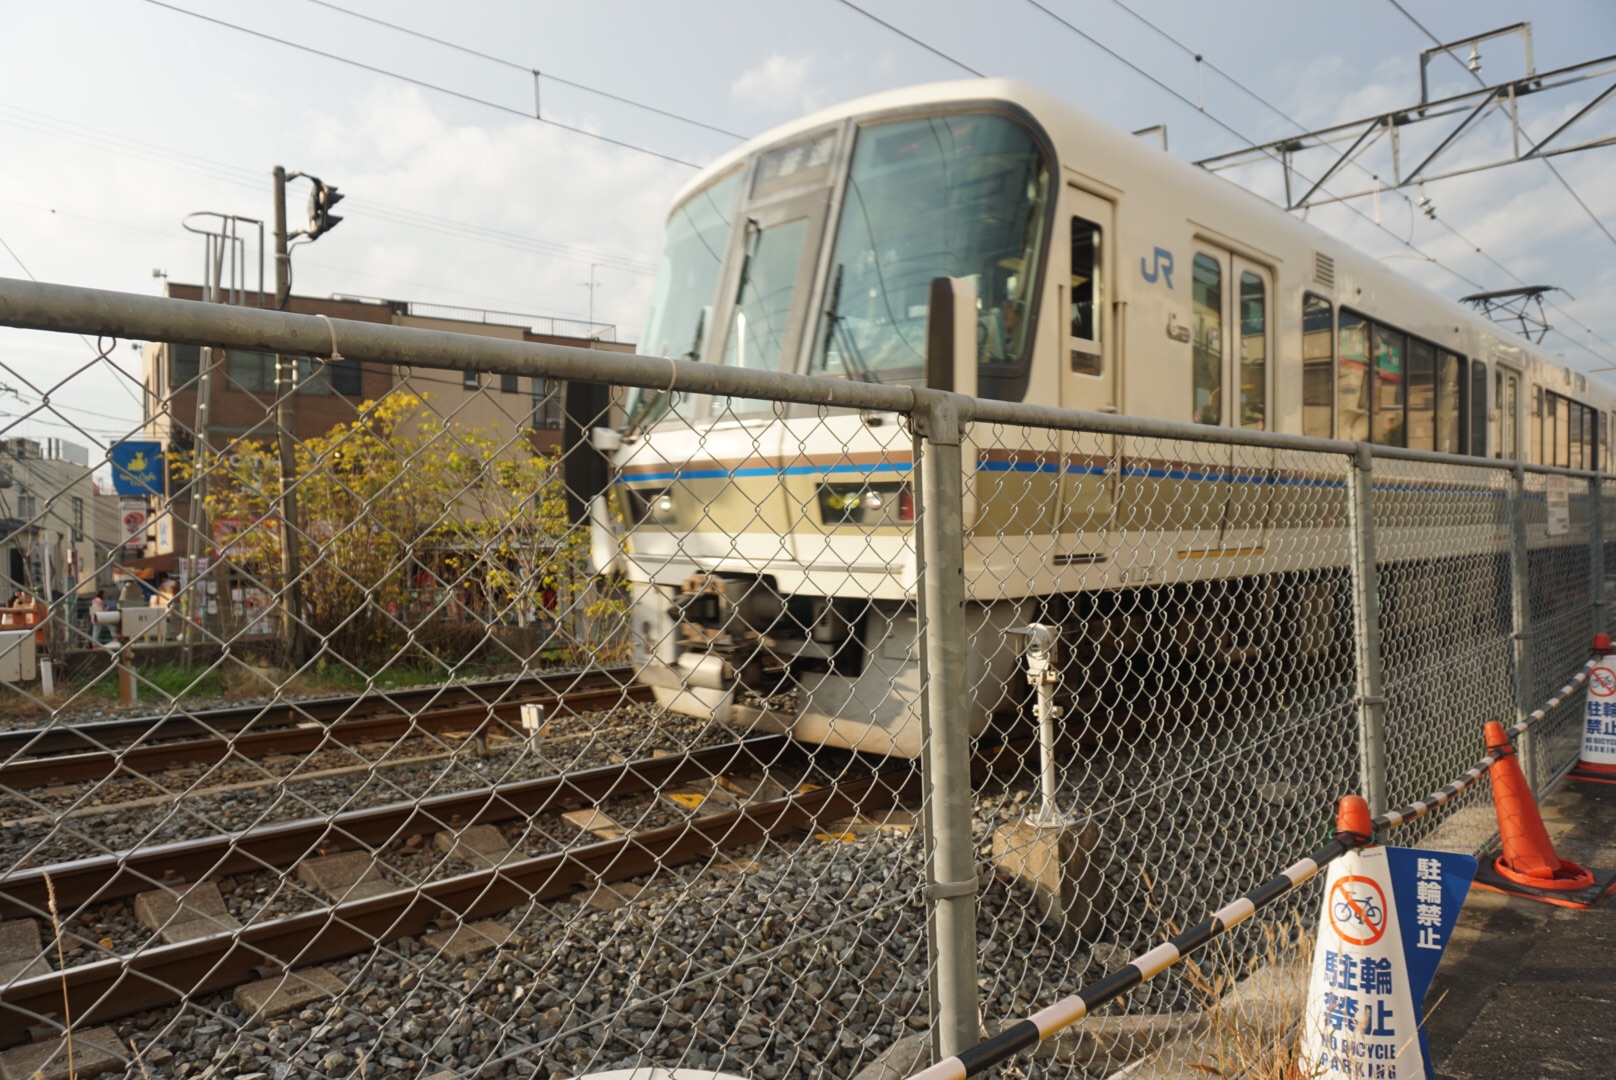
504	708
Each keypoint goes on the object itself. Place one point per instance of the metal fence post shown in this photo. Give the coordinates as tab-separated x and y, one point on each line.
1366	636
1596	549
1521	618
945	717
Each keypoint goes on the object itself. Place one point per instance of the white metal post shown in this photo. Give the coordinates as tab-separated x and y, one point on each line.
1521	619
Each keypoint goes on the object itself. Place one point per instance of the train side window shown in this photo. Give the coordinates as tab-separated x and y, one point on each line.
1536	435
1421	395
1575	460
1390	389
1207	351
1478	408
1352	394
1447	403
1087	296
1562	432
1253	353
1318	357
1505	392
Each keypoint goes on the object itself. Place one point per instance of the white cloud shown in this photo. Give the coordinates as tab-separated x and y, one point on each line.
779	83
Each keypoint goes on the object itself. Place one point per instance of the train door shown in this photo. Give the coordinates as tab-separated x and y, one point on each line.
1091	377
1248	387
761	319
1225	490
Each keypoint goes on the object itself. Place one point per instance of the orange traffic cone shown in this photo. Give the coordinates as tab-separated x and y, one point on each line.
1528	866
1598	761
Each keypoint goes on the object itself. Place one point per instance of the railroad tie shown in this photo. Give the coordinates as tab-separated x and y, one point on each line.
478	845
181	916
349	875
20	951
95	1051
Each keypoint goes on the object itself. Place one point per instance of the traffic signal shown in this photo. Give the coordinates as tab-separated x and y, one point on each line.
321	199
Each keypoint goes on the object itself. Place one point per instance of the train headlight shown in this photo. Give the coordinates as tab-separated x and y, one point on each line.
866	504
652	506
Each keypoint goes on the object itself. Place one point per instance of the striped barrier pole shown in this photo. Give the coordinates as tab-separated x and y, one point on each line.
1069	1010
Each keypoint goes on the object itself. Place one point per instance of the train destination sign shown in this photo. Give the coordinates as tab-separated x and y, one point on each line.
1386	919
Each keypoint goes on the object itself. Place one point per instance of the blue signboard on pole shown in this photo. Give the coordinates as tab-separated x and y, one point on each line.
137	467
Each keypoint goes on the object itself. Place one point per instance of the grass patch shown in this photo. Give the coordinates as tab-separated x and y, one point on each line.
162	682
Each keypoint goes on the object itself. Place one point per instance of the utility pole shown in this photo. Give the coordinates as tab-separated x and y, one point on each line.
291	601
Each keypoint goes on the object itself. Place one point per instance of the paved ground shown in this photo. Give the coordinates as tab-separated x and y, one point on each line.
1527	991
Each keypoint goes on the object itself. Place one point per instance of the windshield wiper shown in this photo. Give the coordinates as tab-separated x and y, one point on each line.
834	327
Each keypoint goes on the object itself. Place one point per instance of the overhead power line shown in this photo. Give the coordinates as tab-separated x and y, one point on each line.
240	176
436	88
535	72
1239	135
1586	209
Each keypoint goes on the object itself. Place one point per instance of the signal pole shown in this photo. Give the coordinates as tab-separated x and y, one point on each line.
321	221
291	605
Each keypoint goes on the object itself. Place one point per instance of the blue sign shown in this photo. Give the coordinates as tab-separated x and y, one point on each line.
137	468
1428	888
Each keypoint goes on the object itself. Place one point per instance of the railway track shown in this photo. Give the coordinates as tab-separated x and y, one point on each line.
51	756
162	974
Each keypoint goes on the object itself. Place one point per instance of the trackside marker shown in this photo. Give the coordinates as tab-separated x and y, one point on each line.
1386	919
1598	761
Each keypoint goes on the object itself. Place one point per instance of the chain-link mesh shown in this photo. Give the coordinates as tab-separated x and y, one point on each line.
463	740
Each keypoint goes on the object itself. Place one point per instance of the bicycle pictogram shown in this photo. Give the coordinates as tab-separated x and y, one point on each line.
1357	910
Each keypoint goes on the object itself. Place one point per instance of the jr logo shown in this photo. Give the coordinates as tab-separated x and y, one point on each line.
1161	265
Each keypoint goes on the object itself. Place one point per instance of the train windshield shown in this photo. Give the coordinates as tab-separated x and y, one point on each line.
955	196
681	312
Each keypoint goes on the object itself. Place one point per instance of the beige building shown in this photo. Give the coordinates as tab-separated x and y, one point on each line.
58	531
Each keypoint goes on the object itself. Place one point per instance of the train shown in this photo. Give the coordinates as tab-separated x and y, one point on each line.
769	551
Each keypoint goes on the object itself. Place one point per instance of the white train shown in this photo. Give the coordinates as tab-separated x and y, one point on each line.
768	548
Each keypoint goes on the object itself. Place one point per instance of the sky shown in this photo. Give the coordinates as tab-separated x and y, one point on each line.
120	117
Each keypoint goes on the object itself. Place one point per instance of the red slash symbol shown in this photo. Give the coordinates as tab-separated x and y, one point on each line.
1602	681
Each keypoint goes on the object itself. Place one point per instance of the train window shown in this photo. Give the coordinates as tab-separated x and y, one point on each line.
1447	403
1562	431
1253	352
939	196
1478	408
680	318
1505	393
1207	359
1590	438
1536	435
1352	386
1575	460
763	301
1421	396
1318	357
1086	298
1389	429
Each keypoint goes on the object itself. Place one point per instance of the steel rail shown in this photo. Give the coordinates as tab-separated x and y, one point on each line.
109	989
25	894
139	761
65	737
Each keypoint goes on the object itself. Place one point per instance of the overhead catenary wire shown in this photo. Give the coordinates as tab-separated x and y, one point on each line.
526	68
1282	114
1549	164
239	176
1407	243
425	85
